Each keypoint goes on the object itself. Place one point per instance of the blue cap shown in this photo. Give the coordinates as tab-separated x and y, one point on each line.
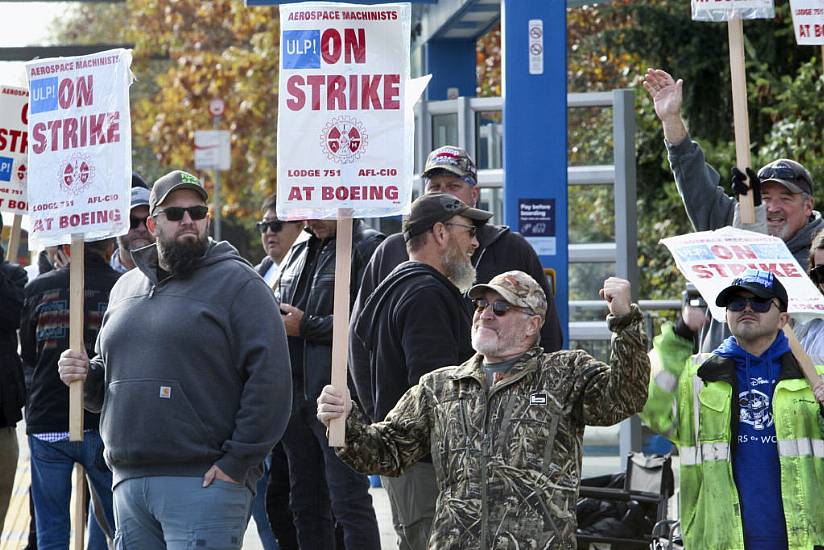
763	284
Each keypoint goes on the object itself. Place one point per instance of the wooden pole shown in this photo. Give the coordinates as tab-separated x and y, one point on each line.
803	359
79	507
14	239
340	319
76	290
739	108
822	56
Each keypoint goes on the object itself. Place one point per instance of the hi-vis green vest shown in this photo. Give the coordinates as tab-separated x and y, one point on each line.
691	402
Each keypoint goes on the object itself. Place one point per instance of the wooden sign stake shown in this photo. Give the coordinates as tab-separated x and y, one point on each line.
79	508
14	239
739	108
76	290
340	319
801	356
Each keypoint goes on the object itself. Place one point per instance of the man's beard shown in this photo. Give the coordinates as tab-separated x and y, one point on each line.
458	268
181	258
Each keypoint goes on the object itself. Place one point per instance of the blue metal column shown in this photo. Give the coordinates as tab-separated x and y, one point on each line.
535	134
452	65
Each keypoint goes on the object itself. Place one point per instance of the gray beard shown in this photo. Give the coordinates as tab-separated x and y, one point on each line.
459	270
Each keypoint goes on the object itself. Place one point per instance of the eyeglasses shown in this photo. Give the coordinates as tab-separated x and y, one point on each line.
134	223
782	172
274	226
817	274
758	305
175	213
499	307
470	228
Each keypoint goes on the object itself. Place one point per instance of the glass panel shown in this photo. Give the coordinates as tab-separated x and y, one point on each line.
590	136
491	200
489	144
591	214
444	130
586	279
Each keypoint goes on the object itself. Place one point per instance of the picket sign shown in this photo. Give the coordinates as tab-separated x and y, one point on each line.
14	109
345	131
808	23
711	260
79	174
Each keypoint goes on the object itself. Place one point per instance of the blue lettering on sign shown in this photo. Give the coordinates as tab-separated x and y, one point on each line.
43	95
695	253
5	168
776	251
301	49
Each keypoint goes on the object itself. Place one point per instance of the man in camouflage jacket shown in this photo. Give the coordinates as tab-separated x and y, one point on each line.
505	429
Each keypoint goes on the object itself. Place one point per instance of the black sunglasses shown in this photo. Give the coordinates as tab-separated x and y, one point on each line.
758	305
175	213
817	274
499	307
134	223
471	229
273	226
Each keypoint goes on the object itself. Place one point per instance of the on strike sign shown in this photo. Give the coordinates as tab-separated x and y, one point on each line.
712	259
808	21
80	146
14	106
344	126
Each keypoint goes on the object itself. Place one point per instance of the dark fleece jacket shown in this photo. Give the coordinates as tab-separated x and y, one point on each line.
191	372
413	323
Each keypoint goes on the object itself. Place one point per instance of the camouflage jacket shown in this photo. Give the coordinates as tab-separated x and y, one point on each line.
507	459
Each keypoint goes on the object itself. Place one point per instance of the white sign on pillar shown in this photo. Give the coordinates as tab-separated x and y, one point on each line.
213	150
536	46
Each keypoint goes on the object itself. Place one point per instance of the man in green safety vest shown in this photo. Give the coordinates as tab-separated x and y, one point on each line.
749	428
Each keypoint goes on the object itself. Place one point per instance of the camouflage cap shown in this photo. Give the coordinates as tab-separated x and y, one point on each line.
517	288
452	159
170	183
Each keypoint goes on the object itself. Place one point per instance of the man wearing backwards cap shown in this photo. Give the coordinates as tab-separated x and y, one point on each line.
415	322
750	431
450	170
197	400
505	428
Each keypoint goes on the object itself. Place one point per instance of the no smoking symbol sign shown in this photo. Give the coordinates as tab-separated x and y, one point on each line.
536	49
536	33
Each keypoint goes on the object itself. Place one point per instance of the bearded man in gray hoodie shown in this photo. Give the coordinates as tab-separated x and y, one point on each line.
191	406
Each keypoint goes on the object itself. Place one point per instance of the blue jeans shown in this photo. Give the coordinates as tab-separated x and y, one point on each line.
264	529
178	513
317	476
51	488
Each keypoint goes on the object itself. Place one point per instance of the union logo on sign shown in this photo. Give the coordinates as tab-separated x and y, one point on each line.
343	139
76	174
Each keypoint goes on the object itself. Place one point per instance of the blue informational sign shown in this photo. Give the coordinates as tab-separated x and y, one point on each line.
536	222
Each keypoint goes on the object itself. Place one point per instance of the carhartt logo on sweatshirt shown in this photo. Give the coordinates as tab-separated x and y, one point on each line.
165	392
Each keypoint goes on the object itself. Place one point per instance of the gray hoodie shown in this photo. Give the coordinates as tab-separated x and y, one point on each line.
709	208
191	372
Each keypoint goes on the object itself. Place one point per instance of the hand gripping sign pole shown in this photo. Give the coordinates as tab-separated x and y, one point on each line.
340	317
345	131
733	12
76	295
79	181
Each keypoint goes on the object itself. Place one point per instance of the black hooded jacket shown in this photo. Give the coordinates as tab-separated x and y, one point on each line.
12	386
414	322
